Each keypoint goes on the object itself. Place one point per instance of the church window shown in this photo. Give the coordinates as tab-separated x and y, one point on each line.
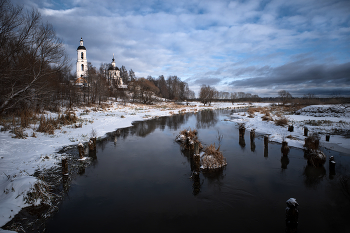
82	55
82	67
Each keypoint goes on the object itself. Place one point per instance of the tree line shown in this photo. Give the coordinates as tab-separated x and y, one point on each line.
207	94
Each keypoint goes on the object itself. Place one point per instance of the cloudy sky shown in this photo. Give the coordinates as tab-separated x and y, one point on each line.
260	47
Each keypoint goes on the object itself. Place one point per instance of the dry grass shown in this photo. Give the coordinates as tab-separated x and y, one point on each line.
27	117
189	139
213	158
281	121
48	125
315	158
189	133
5	126
291	137
19	133
253	110
312	142
40	191
267	117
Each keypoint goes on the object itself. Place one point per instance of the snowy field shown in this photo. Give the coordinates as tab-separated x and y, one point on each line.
20	158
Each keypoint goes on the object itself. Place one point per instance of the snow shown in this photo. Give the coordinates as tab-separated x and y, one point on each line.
336	119
292	202
20	158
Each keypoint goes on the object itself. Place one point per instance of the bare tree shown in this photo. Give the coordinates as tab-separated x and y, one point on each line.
163	87
147	90
285	95
206	94
124	75
132	75
30	55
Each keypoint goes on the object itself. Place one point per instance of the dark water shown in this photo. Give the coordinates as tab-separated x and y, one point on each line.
140	181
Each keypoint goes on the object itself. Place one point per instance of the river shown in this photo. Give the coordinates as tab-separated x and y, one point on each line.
140	180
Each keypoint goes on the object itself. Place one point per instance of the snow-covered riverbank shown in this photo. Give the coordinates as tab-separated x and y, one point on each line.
322	119
20	158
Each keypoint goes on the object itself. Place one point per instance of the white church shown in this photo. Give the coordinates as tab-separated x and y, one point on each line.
81	64
113	75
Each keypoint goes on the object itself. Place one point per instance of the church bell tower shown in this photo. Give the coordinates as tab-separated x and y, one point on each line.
81	60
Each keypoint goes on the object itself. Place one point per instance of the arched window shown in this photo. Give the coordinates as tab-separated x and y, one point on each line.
82	67
82	55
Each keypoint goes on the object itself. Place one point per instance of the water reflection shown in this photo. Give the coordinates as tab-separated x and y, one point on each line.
252	140
252	146
195	170
144	128
196	186
81	170
284	162
266	152
313	175
241	142
206	119
215	177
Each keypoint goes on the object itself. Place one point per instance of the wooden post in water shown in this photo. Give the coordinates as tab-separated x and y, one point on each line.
292	215
252	138
241	130
266	146
290	128
331	167
92	144
317	143
285	148
252	135
306	130
266	141
81	150
328	137
64	166
196	148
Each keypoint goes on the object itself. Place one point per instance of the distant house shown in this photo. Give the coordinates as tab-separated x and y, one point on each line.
81	82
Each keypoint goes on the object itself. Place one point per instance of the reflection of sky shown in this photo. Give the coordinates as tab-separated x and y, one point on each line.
229	44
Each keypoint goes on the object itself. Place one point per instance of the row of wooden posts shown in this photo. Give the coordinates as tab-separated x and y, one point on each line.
285	148
306	132
92	147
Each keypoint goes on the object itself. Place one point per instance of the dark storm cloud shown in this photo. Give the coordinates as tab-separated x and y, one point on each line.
297	73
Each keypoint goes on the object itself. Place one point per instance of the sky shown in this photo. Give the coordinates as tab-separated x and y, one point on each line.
258	47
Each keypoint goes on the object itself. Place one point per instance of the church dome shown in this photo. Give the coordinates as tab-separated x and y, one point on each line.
113	68
81	47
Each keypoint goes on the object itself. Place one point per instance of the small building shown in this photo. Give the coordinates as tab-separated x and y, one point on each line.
81	82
